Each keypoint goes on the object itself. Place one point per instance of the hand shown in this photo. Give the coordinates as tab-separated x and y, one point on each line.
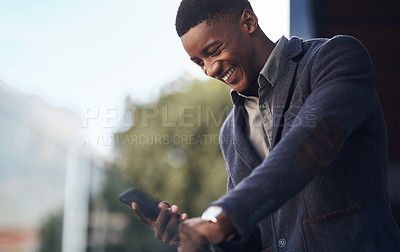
166	225
197	233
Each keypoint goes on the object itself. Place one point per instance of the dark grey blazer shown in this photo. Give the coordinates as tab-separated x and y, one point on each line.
323	186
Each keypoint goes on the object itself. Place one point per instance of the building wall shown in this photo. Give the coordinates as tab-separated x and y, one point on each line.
376	23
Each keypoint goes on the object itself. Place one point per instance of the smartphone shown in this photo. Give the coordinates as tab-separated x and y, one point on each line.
147	204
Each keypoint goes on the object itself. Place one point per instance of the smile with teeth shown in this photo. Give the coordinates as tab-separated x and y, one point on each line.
229	73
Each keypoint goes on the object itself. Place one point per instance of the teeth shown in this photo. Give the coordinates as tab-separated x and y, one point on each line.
229	73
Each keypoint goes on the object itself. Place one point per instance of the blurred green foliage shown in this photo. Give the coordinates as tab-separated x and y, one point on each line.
171	151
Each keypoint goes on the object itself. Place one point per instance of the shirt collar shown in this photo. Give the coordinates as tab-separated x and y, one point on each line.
270	69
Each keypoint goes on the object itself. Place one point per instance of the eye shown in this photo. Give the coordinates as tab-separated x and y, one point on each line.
200	63
215	51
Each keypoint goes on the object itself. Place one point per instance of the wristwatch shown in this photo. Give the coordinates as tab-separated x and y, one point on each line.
213	214
217	215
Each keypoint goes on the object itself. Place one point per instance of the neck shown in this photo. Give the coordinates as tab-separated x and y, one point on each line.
263	47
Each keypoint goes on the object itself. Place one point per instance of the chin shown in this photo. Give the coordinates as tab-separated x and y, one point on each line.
239	88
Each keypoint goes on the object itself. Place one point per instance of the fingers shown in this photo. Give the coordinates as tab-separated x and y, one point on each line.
184	217
171	234
134	206
174	209
140	215
167	223
161	223
163	205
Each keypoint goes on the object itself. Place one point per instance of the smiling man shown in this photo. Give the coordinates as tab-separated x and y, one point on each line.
305	144
240	57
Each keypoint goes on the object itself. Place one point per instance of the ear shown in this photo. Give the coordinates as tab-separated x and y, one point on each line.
249	21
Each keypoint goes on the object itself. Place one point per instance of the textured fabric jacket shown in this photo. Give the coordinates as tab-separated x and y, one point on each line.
323	186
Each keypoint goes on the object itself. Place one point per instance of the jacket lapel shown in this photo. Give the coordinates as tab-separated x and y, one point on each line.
242	145
283	87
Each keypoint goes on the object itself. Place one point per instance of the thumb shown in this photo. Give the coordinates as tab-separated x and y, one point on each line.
184	217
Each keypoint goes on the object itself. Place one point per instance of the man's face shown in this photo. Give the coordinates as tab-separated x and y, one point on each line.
224	51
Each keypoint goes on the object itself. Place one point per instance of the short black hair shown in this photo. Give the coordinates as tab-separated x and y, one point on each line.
193	12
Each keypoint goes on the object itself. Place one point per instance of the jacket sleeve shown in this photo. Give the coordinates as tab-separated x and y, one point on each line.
340	100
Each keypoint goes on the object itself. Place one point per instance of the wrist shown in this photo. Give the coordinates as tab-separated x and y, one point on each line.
217	216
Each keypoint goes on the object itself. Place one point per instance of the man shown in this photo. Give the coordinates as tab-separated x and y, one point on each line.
305	144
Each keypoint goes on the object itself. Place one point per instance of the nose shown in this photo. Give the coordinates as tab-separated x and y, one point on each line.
211	68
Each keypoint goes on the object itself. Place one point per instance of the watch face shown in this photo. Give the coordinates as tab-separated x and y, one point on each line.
212	213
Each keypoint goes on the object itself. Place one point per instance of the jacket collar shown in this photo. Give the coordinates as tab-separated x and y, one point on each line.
283	88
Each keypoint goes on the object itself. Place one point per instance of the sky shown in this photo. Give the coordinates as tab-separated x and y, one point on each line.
89	55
